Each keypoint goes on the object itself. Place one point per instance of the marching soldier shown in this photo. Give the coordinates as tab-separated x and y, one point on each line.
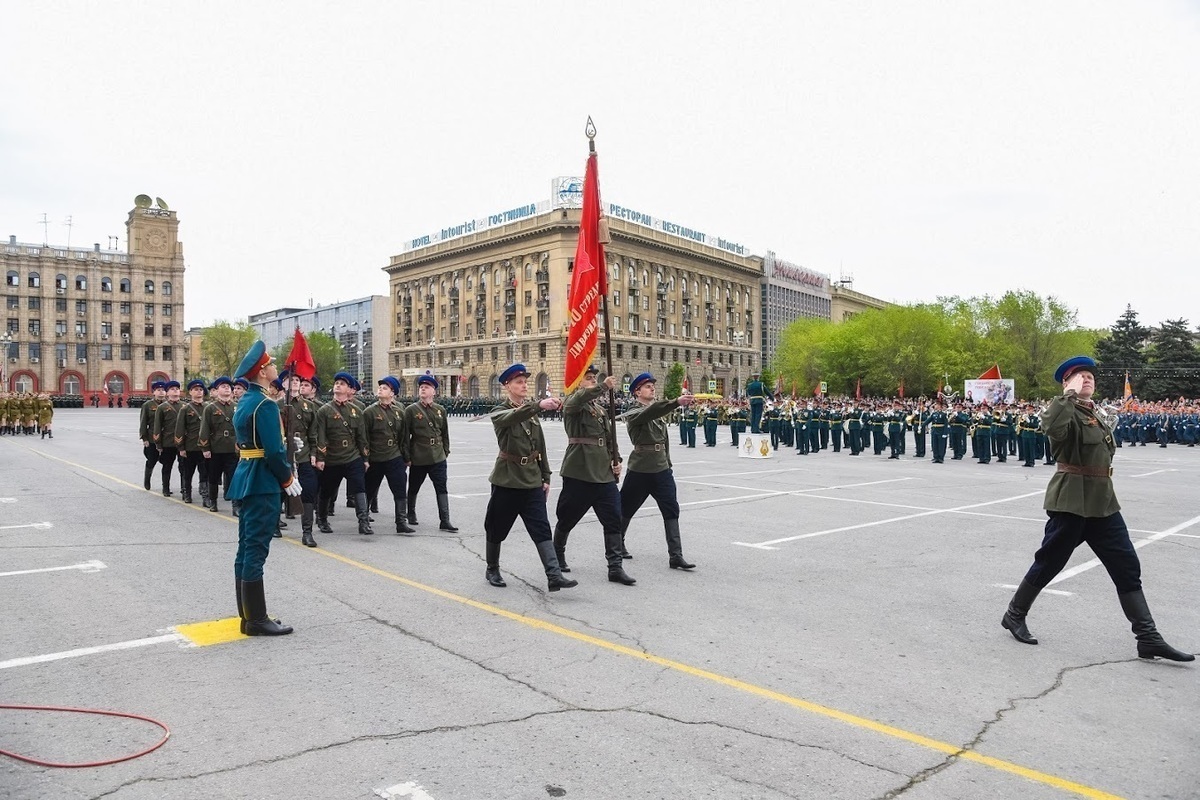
836	419
262	472
301	415
187	436
384	423
649	473
428	446
689	418
45	415
939	431
590	476
164	434
920	422
218	441
521	479
1002	426
146	429
1082	507
341	449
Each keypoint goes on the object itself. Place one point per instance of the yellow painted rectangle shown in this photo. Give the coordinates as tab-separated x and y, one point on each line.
218	631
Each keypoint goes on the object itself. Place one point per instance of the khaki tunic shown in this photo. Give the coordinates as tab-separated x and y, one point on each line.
522	460
584	418
1077	437
648	429
428	434
216	428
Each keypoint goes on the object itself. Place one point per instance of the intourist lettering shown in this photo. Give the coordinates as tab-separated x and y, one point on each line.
458	230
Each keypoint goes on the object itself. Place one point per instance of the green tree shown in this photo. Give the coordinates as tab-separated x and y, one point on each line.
1026	335
1174	359
674	383
1121	350
225	344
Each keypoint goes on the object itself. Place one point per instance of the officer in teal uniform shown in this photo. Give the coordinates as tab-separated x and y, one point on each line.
262	470
1028	425
758	398
983	434
854	434
689	417
712	417
939	431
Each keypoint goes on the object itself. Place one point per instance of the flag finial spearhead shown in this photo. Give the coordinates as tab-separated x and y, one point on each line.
589	130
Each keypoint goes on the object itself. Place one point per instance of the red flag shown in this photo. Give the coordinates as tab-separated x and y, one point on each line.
902	388
858	390
588	283
300	360
817	390
992	374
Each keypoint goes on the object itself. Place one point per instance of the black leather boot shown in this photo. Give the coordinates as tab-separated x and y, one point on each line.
214	491
1150	643
493	565
560	547
306	523
147	474
278	534
254	602
443	501
362	511
1014	618
624	527
554	576
186	492
204	494
411	500
322	520
401	508
166	481
375	504
612	554
675	546
237	507
237	587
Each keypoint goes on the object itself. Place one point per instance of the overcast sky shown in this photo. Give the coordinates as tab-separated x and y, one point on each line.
923	148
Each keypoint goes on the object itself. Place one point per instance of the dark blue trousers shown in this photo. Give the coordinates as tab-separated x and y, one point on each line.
416	476
640	485
1107	536
306	473
578	497
505	505
397	479
756	412
256	526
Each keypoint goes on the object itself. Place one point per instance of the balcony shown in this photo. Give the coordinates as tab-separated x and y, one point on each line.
661	289
510	308
543	276
634	285
407	301
481	313
542	304
453	292
686	294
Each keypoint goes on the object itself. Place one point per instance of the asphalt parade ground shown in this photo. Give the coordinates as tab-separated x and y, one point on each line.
839	638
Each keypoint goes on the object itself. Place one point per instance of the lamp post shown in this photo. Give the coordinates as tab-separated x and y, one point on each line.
6	339
738	338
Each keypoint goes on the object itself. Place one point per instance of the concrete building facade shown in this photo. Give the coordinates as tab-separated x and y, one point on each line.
81	321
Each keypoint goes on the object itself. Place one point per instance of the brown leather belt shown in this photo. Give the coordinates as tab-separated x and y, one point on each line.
648	448
1087	472
593	442
522	460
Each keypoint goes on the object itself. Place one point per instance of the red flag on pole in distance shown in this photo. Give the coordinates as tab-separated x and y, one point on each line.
858	390
817	390
902	388
992	374
300	360
588	283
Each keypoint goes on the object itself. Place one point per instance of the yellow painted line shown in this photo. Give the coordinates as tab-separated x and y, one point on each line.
678	666
218	631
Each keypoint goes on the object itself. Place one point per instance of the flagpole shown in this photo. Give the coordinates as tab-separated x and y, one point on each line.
614	456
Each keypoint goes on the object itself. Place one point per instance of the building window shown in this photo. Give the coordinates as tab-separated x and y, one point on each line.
106	284
125	329
126	352
35	327
148	353
106	352
106	306
13	303
149	329
35	304
105	329
126	308
35	351
149	309
60	282
149	287
167	310
166	353
35	280
81	306
60	304
81	283
81	353
81	329
167	289
126	286
166	331
13	278
620	351
14	325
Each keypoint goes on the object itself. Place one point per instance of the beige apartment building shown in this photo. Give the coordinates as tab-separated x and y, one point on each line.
845	302
81	320
477	297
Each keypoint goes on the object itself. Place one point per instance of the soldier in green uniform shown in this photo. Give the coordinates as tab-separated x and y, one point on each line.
187	436
384	425
262	472
341	447
854	429
1002	428
146	429
427	448
649	473
218	442
521	479
45	415
1082	507
589	474
299	421
164	434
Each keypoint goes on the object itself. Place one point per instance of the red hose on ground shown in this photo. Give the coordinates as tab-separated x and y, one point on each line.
40	763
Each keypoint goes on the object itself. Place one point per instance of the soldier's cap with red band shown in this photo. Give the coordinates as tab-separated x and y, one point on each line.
1073	365
254	361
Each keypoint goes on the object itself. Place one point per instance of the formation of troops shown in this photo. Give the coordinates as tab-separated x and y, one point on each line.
26	414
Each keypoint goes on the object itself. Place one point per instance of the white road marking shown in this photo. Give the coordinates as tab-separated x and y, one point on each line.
1140	543
87	566
410	789
1156	472
87	651
767	544
1044	591
39	525
8	499
1188	535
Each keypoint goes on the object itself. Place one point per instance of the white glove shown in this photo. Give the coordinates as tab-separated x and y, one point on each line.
293	489
299	442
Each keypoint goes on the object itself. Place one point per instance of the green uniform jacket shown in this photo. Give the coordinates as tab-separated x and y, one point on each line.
45	411
648	429
519	435
304	414
146	420
339	433
385	433
187	426
428	434
583	418
164	424
216	428
1078	437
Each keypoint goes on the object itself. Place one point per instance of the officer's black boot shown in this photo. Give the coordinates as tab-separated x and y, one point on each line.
1014	618
146	475
675	546
322	519
166	481
255	603
203	488
362	511
443	501
624	527
375	504
1150	642
306	523
329	505
43	433
492	573
401	526
560	548
213	493
186	492
554	576
612	554
412	509
278	534
51	434
237	587
237	507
